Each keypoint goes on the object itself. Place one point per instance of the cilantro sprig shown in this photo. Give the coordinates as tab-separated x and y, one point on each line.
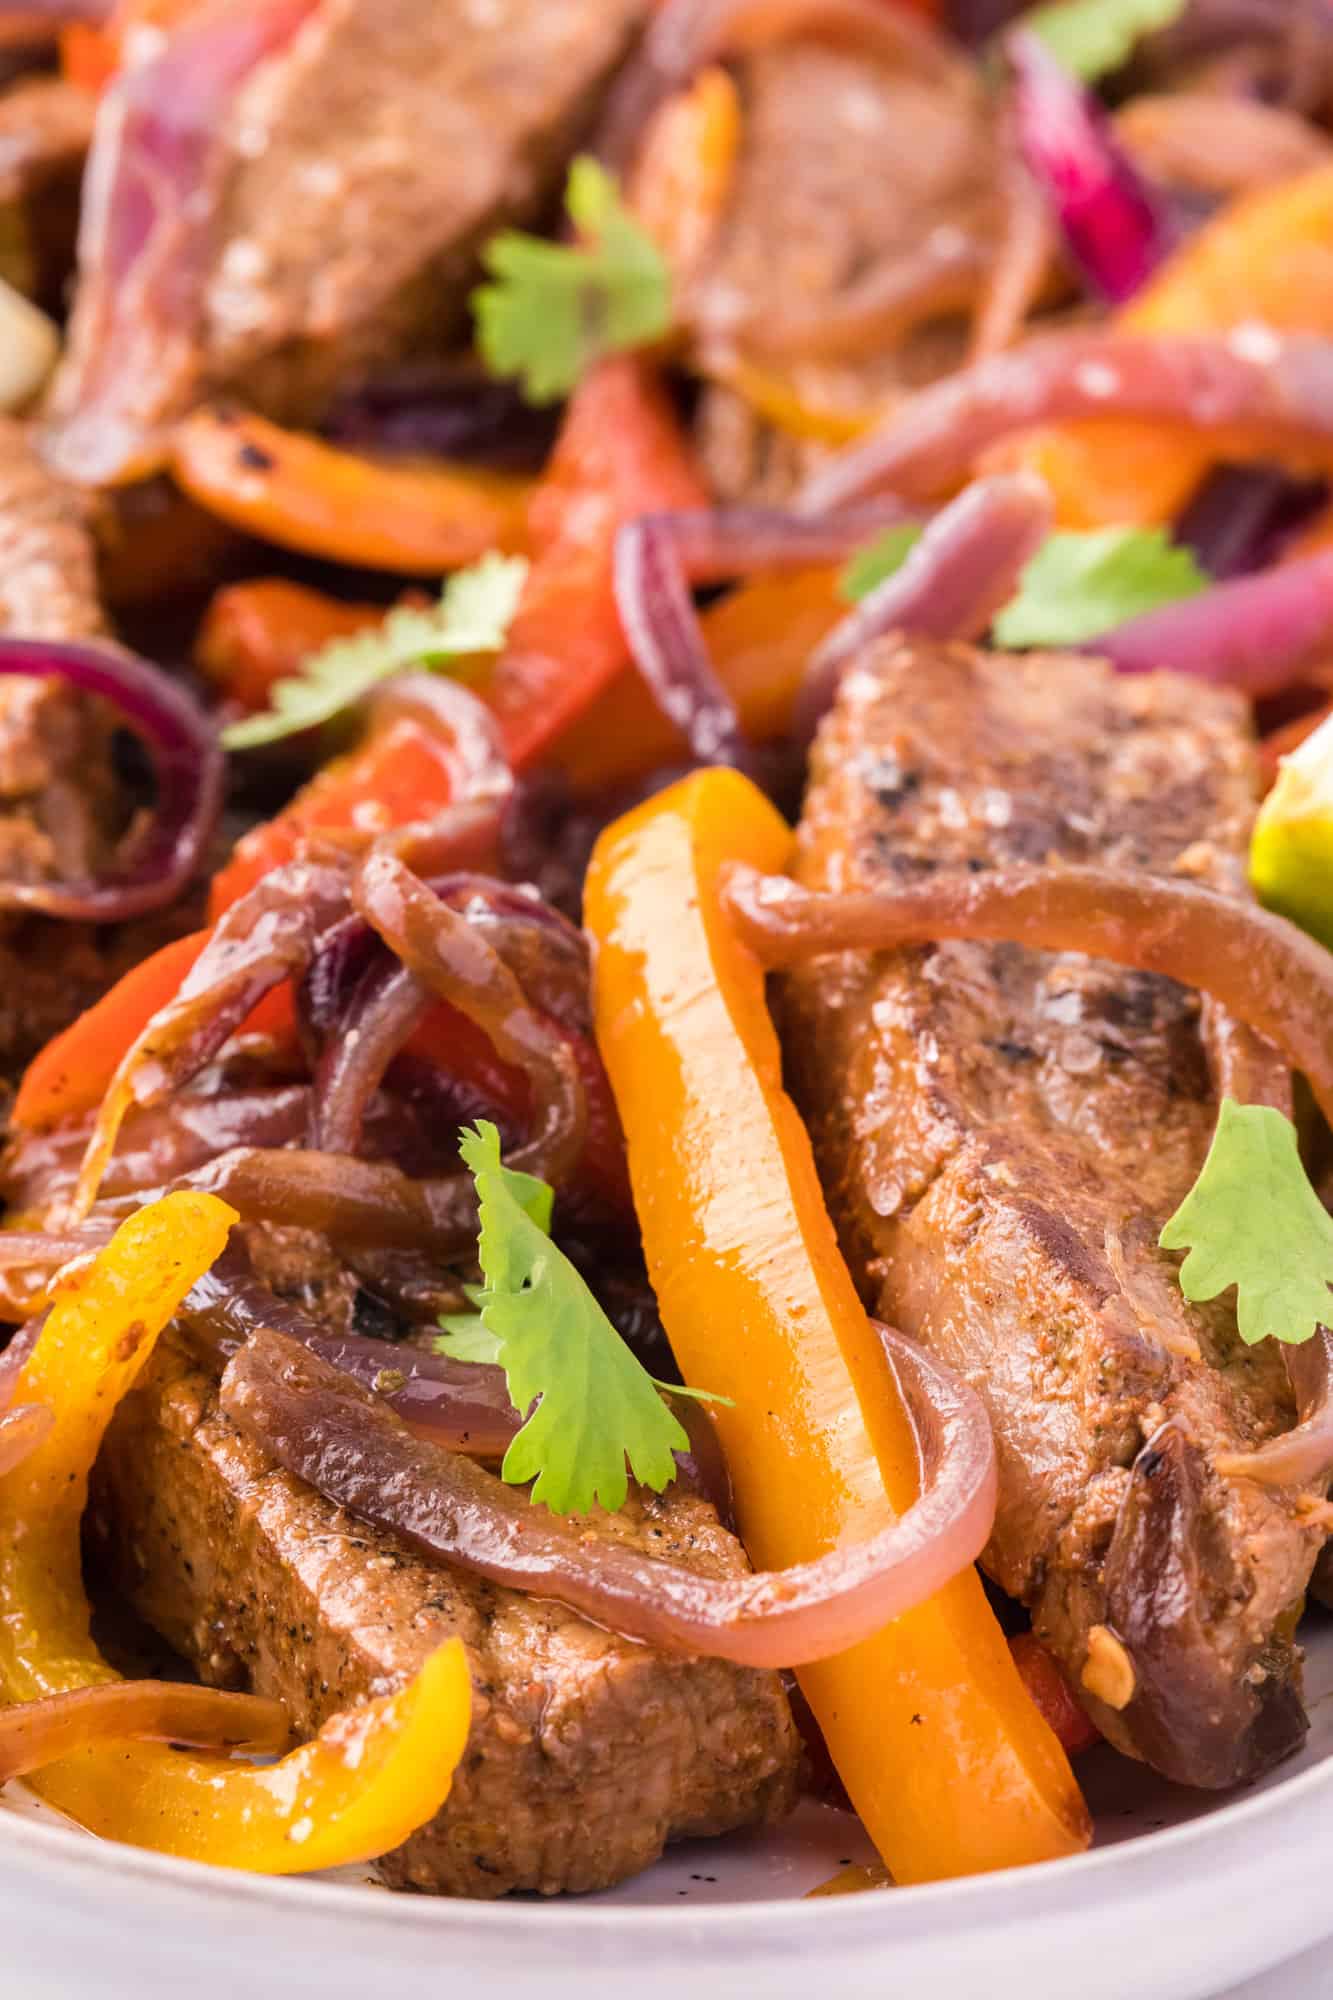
593	1408
551	309
1078	586
1253	1220
472	616
1094	38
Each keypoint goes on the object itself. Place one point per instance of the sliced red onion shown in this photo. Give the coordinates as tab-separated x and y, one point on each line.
384	1012
1024	255
267	937
15	1356
716	545
155	1146
155	864
964	568
1251	382
1114	229
26	1425
1303	1456
667	643
658	557
326	1430
479	771
94	12
146	237
945	273
456	963
35	1734
444	409
1256	633
22	1429
1258	966
1242	516
683	35
460	1405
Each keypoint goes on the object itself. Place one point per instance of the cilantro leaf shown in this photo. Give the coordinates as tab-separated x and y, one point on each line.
554	308
1093	38
1080	585
878	561
472	616
1252	1220
466	1338
596	1406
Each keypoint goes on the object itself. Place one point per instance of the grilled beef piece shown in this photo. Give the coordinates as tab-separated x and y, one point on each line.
46	127
588	1752
848	167
59	796
1002	1134
355	176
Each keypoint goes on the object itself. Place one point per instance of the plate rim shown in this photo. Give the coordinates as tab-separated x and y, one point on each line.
986	1896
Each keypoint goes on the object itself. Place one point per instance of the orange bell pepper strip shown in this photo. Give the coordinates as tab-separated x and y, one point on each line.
70	1075
685	168
1267	257
256	634
620	453
760	639
369	1779
411	517
944	1756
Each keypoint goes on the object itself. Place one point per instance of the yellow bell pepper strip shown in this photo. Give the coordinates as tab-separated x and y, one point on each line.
1268	259
372	1775
413	517
942	1753
37	1733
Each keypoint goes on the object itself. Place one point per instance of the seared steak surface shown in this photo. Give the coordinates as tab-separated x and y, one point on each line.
849	166
588	1752
59	796
355	176
1002	1134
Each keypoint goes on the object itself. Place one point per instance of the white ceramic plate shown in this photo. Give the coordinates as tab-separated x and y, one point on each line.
1184	1898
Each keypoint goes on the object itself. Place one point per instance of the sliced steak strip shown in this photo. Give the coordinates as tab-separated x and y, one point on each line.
1003	1133
352	179
59	795
588	1752
848	167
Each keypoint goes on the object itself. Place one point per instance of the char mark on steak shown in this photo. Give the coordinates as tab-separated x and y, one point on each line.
1002	1134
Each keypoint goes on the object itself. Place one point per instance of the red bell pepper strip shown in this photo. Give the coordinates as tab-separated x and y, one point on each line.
620	454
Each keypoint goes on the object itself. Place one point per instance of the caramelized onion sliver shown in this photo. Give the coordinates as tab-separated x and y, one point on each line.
460	1405
1248	390
1260	967
326	1430
34	1734
964	568
1303	1456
